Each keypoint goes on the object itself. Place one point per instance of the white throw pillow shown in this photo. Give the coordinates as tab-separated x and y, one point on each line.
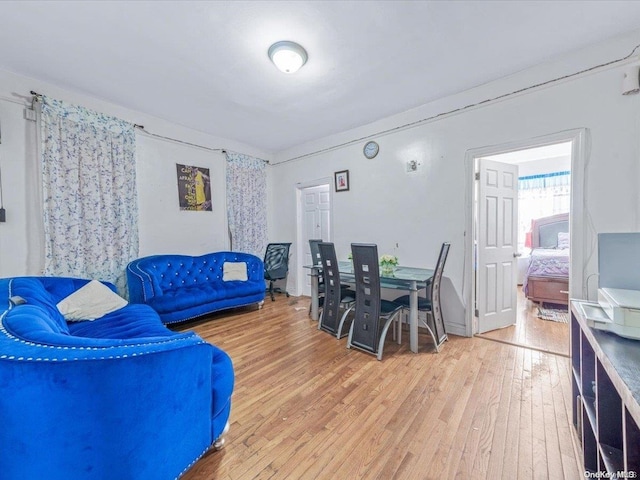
563	240
233	271
90	302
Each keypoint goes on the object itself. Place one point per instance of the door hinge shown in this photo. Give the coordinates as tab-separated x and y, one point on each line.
477	313
477	175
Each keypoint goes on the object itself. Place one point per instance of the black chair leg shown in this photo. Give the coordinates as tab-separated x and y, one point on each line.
273	298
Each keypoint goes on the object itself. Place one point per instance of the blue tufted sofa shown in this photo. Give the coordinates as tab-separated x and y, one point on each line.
181	287
120	397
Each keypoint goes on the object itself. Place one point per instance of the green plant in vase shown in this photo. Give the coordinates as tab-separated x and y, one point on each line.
388	264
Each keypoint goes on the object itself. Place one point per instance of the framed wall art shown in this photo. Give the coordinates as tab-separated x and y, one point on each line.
194	188
342	180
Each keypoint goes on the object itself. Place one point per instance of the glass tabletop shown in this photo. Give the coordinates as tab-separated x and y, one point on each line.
400	275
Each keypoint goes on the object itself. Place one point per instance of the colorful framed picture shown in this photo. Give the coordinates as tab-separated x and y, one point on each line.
194	188
342	180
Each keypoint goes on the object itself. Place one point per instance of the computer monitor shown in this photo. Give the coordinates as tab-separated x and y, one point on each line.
619	260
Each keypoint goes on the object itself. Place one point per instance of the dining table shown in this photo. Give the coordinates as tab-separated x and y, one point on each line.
411	279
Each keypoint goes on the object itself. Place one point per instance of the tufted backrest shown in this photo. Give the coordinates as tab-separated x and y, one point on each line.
43	294
168	272
35	295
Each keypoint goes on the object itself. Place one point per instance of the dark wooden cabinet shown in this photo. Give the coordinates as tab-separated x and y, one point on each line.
606	393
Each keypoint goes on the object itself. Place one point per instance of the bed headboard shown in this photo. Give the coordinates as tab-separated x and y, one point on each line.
545	230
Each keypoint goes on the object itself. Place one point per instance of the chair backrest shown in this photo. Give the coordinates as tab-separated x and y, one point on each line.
434	291
315	251
366	322
276	261
332	292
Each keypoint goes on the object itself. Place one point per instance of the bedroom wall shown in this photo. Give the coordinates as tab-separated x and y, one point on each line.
163	227
411	214
545	165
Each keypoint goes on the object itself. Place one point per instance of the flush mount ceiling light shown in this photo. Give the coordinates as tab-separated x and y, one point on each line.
287	56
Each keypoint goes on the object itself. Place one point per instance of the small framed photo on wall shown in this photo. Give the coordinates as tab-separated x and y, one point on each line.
342	180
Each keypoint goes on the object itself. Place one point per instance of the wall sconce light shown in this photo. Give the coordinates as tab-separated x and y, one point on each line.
412	166
631	80
287	56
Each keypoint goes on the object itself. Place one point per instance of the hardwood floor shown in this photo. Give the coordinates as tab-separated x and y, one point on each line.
306	407
532	331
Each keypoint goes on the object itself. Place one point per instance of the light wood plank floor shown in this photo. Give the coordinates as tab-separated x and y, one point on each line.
533	331
306	407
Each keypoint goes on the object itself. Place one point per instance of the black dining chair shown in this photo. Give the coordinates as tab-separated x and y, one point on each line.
373	316
430	304
315	260
336	298
276	266
315	250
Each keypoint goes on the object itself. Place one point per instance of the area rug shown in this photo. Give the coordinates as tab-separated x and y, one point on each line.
554	314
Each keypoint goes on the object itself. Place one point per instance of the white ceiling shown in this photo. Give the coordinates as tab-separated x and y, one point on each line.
204	65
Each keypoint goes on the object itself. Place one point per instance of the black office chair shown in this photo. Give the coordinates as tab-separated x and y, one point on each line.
276	266
373	316
336	297
433	321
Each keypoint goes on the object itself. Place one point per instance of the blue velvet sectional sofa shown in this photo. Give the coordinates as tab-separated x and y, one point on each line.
182	287
119	397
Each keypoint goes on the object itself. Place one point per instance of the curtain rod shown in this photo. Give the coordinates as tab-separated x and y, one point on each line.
175	140
38	96
141	128
222	150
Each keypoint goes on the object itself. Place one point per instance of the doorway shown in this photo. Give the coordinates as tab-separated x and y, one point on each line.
543	190
314	222
556	160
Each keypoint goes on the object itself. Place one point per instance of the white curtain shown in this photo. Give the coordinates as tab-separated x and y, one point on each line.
89	193
541	196
247	203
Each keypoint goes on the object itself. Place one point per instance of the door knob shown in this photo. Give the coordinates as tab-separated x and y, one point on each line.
516	254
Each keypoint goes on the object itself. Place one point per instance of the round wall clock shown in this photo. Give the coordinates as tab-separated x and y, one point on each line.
371	149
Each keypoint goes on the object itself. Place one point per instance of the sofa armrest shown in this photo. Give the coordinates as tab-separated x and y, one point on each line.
255	267
117	410
140	284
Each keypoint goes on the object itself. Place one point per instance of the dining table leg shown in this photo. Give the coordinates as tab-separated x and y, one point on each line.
413	317
315	304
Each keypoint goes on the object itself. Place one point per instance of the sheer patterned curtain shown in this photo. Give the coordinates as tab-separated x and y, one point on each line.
89	193
247	203
541	196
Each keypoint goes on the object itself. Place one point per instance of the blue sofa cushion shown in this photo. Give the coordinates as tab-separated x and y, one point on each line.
33	291
183	298
132	321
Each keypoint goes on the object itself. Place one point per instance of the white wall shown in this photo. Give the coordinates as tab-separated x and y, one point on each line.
419	211
162	226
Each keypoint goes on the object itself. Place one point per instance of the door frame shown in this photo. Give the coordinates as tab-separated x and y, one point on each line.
300	270
577	225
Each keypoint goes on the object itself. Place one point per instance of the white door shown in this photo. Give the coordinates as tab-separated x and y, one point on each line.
496	276
316	223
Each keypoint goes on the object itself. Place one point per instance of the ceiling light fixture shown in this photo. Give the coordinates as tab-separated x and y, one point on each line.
287	56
